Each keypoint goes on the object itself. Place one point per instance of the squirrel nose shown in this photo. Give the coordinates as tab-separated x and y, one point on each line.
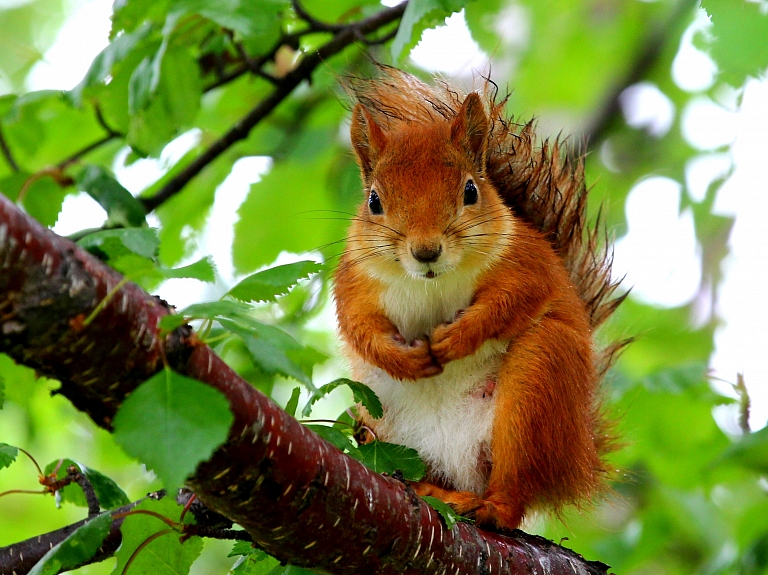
427	254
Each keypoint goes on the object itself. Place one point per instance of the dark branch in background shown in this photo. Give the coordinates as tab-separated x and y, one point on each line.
7	152
299	498
315	25
346	36
647	57
20	557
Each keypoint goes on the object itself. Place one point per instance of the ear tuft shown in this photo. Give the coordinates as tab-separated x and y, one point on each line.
368	140
469	130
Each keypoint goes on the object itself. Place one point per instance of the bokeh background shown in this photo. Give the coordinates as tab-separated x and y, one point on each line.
667	98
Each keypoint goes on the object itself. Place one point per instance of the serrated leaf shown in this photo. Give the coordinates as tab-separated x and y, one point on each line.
8	454
189	421
293	402
275	351
361	392
113	244
213	310
122	208
418	16
255	565
266	285
336	438
446	511
384	457
202	270
245	548
165	555
739	38
76	549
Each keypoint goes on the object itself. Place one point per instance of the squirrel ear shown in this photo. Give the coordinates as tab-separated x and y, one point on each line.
368	140
469	130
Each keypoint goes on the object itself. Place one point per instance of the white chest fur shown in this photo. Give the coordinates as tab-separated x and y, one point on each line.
446	418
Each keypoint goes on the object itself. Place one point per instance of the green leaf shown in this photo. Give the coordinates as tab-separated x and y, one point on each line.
275	351
214	310
103	65
110	496
189	420
277	215
293	402
139	87
446	511
266	285
245	548
8	454
107	491
202	270
112	244
361	392
739	39
165	555
122	208
418	16
241	16
387	458
76	549
164	96
336	438
43	199
255	564
2	392
750	451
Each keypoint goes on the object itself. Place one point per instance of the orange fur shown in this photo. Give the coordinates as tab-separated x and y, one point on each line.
535	284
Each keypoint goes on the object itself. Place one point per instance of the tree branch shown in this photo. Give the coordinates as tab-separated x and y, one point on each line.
646	58
299	498
346	36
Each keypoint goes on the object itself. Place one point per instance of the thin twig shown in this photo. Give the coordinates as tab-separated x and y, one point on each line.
7	152
315	24
345	37
90	494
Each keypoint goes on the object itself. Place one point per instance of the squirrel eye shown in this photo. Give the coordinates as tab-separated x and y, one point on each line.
470	193
374	204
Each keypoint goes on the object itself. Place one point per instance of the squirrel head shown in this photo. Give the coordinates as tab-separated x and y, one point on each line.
428	208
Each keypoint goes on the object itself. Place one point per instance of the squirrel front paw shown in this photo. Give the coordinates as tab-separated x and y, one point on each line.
451	341
412	360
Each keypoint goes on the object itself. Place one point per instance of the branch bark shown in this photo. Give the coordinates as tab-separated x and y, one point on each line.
299	497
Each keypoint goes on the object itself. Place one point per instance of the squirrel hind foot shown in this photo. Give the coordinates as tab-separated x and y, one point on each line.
494	512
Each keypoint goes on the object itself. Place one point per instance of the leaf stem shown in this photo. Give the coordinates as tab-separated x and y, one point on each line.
144	543
102	304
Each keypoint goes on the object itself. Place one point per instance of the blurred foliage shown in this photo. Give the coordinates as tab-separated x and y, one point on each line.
688	497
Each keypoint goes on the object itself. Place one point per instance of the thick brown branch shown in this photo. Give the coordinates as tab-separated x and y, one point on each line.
346	36
299	497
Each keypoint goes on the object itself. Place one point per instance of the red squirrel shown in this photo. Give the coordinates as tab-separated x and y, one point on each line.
467	298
